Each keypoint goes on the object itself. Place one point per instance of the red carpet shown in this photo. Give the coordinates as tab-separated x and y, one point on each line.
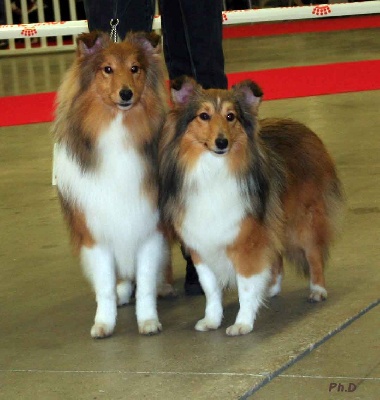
314	80
302	26
278	83
27	109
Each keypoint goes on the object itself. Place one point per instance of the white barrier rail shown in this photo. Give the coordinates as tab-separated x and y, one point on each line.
25	13
46	29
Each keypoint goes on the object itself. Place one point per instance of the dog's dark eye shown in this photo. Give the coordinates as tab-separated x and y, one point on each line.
230	117
204	116
108	70
135	69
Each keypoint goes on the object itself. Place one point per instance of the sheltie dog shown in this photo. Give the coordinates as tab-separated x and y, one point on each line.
242	194
110	111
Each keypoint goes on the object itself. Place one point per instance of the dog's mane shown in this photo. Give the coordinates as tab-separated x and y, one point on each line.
73	105
261	181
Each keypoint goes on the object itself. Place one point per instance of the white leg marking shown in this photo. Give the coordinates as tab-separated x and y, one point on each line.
151	259
99	267
213	292
317	293
124	290
251	294
275	289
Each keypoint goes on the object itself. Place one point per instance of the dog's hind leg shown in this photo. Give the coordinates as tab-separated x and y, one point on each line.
165	284
99	267
125	266
315	259
124	290
277	273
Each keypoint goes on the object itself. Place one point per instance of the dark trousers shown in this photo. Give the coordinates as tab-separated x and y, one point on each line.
133	15
192	33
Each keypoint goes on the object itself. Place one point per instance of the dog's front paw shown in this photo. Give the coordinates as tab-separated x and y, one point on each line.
150	327
239	329
206	324
317	294
101	330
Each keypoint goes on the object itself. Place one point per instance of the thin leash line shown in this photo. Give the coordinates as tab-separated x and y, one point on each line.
312	347
115	8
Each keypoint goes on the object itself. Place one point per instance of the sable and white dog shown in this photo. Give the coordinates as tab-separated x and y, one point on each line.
242	194
111	108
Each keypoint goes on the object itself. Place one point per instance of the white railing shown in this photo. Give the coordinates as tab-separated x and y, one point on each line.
42	30
30	41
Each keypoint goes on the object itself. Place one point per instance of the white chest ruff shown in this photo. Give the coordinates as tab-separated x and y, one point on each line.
214	209
117	213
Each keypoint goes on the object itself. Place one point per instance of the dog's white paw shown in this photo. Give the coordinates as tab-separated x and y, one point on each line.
150	327
239	329
317	294
101	330
206	324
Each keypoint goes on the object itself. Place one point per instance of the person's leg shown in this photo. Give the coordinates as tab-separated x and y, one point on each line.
192	286
192	36
133	15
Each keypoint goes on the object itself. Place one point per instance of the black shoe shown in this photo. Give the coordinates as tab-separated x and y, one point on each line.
192	285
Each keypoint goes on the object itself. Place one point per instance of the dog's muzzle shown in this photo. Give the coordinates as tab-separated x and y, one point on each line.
126	96
221	145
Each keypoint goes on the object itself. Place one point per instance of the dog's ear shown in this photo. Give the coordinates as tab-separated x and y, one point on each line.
91	43
250	92
150	41
181	90
153	38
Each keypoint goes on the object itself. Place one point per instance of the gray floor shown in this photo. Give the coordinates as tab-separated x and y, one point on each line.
297	350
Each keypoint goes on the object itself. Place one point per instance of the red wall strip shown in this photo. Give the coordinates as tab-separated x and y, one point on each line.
302	26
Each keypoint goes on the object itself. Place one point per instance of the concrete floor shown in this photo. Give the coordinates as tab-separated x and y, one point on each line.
297	350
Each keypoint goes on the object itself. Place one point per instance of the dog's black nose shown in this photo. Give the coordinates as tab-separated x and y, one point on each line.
221	143
125	94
